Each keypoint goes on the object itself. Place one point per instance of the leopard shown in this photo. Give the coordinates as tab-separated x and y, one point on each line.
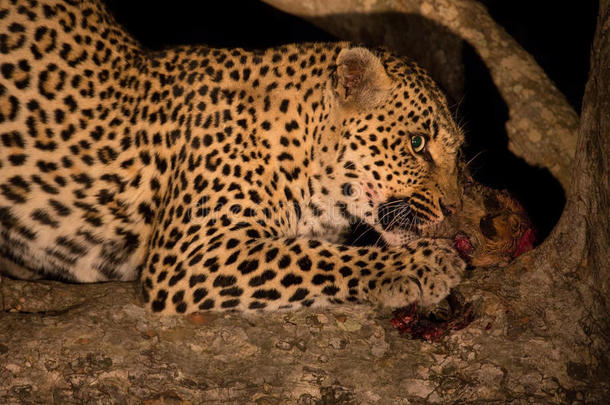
219	178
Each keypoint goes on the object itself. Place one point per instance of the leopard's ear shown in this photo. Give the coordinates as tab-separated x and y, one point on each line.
361	79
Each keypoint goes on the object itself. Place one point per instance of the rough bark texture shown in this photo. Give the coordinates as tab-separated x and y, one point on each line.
541	333
542	127
94	344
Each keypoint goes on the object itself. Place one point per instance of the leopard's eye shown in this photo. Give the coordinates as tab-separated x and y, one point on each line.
418	143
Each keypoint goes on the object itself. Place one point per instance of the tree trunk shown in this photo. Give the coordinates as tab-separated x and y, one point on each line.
577	251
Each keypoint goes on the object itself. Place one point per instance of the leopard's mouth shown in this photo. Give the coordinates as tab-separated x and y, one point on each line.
405	215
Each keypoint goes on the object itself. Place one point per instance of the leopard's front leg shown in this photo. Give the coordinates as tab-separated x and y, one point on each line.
231	272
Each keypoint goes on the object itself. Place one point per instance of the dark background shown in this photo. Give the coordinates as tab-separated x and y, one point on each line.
558	34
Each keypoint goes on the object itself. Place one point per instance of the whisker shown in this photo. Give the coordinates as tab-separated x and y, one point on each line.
390	211
402	215
401	212
474	157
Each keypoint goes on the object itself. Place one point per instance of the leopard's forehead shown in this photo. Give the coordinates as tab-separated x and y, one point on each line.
418	96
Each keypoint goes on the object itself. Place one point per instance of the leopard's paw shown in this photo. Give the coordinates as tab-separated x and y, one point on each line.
438	267
431	267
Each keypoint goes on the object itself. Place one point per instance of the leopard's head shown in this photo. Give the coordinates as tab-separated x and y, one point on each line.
397	144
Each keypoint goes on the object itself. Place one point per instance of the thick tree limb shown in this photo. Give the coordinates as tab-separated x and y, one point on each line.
577	250
542	126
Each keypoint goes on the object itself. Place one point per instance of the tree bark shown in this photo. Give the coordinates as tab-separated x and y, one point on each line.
577	250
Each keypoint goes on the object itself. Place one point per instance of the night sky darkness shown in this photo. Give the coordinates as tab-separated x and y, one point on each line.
558	34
